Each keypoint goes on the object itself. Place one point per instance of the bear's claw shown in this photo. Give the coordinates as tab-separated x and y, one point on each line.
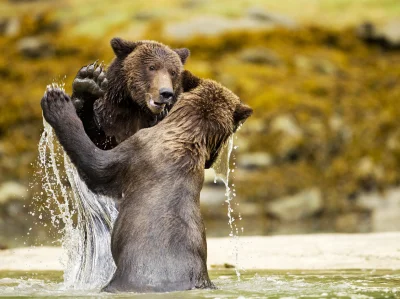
90	82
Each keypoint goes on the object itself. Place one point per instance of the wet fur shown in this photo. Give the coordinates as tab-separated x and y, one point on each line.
158	241
121	111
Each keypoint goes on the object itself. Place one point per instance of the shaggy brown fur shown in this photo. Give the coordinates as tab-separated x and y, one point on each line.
158	241
143	82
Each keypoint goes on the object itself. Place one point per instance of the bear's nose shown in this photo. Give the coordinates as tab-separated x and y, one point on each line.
166	93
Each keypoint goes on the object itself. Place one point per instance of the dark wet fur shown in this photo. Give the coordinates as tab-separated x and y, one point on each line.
158	241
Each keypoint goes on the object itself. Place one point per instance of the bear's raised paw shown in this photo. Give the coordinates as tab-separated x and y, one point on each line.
90	81
57	107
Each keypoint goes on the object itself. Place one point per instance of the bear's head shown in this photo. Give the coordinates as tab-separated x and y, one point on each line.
213	109
147	73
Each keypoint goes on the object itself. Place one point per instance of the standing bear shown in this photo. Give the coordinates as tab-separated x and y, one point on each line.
158	241
140	87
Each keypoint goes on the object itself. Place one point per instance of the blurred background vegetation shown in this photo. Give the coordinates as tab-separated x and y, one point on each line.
322	150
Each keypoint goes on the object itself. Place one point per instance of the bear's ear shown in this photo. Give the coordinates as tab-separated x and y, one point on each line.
189	81
183	54
122	48
242	112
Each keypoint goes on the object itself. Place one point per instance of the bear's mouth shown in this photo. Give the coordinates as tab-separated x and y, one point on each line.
156	104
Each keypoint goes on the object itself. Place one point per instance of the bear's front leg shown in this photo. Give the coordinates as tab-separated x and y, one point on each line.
98	168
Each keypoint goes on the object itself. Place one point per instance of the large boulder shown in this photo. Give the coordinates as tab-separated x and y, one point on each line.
296	207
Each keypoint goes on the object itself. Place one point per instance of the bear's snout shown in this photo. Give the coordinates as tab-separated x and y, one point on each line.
166	95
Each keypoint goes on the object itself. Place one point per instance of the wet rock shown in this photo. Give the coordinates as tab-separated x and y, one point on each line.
212	26
296	207
255	160
12	190
386	36
260	56
257	13
10	27
385	209
32	47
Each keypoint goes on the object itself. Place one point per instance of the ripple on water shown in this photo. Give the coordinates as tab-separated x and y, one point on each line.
355	284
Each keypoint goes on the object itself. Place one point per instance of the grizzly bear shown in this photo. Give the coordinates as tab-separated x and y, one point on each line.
141	85
158	241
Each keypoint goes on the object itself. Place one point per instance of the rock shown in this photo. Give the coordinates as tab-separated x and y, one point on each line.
12	190
386	36
290	136
368	173
10	27
211	196
353	222
257	13
286	124
32	47
260	56
385	209
255	160
296	207
212	26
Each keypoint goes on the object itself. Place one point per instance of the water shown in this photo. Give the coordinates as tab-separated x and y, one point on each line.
88	263
354	284
222	171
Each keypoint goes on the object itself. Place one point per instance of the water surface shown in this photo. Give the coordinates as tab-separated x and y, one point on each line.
254	284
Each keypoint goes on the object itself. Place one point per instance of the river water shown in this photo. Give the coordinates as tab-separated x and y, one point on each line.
354	284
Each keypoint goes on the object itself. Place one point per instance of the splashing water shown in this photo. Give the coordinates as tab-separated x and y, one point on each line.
222	171
88	262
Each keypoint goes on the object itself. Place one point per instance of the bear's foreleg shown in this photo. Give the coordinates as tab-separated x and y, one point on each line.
98	168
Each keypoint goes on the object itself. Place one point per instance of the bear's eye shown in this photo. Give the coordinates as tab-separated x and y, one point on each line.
173	73
152	68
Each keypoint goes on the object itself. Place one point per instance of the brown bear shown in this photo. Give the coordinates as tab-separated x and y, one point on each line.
141	85
158	241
